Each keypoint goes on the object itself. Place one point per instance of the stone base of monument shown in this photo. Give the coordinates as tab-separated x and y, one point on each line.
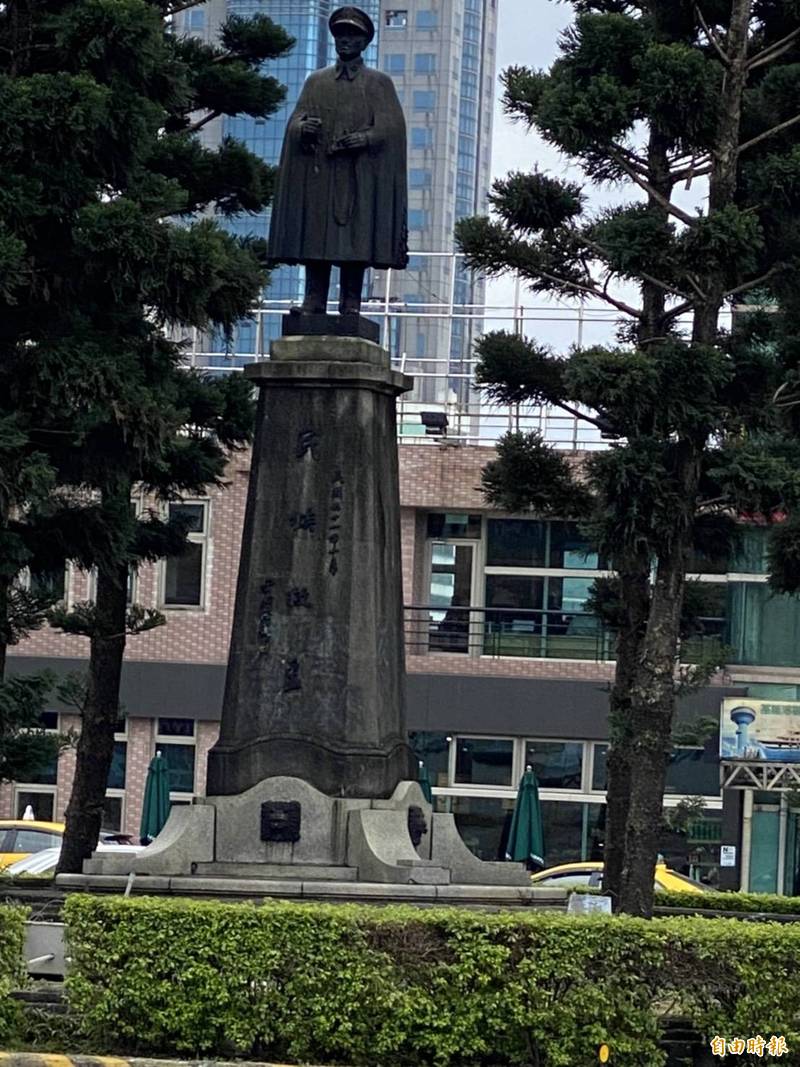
285	829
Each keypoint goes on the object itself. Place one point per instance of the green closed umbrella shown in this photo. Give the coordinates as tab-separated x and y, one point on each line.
155	810
425	782
526	838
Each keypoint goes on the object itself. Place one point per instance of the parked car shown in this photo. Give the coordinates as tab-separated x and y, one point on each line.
590	874
23	837
43	864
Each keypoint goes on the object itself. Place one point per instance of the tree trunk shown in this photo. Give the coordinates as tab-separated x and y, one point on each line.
634	573
95	749
5	588
634	576
653	697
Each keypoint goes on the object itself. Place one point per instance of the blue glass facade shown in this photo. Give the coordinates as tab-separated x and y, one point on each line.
467	199
307	22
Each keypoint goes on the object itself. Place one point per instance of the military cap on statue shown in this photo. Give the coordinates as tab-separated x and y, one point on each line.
351	17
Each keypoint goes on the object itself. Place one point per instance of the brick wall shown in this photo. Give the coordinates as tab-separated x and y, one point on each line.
430	476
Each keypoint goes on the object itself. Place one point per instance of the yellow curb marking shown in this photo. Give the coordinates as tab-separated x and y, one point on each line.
52	1060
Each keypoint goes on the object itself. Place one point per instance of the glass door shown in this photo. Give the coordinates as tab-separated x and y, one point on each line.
450	597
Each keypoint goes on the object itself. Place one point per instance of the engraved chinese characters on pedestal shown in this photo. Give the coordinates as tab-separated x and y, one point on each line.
315	682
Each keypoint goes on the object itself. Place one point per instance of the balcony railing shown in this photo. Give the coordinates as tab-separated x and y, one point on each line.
532	634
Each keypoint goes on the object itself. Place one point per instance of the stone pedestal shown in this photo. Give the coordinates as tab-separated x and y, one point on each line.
315	682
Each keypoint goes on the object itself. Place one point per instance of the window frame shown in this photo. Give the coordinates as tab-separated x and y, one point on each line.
204	540
482	787
159	742
42	787
45	790
566	791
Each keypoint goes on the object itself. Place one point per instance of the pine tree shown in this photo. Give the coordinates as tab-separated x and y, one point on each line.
655	96
99	256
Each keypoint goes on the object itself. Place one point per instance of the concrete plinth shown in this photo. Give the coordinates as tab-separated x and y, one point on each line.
315	682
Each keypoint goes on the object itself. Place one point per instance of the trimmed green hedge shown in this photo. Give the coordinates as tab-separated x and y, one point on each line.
12	971
739	902
405	986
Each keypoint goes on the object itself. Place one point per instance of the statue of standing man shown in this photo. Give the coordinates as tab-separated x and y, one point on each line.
341	195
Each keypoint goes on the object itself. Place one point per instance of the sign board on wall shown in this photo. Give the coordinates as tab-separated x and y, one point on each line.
761	730
727	855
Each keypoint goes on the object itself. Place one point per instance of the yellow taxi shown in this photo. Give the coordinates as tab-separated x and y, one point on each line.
590	874
23	837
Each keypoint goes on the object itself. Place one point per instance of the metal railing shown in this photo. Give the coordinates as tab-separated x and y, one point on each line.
528	633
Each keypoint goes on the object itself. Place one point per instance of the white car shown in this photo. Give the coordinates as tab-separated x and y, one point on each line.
44	863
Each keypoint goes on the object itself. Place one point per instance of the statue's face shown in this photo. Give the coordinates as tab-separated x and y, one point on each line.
350	43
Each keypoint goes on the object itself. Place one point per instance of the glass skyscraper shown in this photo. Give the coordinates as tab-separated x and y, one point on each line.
441	56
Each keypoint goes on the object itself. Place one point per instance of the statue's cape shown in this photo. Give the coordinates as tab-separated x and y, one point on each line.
349	207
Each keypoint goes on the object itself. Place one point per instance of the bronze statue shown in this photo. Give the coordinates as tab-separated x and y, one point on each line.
341	195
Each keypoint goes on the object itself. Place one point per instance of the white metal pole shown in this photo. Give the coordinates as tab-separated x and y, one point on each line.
386	297
783	819
747	839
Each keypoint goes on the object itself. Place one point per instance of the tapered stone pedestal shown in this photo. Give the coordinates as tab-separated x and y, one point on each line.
315	683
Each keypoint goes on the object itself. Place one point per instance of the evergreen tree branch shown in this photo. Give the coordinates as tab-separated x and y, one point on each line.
711	37
639	164
754	282
679	310
773	51
203	122
593	290
617	154
769	133
693	171
666	286
176	10
696	286
602	424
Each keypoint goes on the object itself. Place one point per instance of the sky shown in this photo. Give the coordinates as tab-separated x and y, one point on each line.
528	33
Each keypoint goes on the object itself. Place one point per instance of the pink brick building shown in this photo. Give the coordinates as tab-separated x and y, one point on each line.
504	666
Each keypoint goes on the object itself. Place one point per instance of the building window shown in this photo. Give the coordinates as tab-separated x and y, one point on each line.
175	741
421	137
113	806
530	543
42	801
484	761
396	18
691	771
39	791
599	772
483	824
424	100
425	63
432	749
130	591
427	20
113	812
395	63
419	179
453	524
418	219
196	19
516	543
50	584
116	775
184	575
556	764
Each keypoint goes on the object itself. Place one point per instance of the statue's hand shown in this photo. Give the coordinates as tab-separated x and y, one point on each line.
310	128
352	141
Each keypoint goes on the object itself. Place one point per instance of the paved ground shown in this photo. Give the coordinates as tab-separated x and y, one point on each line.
41	1059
